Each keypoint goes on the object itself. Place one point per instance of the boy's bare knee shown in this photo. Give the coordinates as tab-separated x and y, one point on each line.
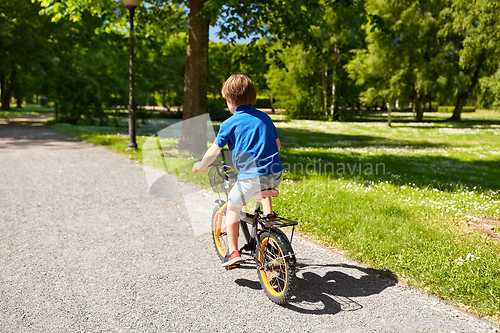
233	207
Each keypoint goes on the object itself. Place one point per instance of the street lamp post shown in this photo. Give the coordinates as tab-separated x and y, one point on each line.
131	5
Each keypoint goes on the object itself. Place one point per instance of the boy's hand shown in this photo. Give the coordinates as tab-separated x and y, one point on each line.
197	167
208	158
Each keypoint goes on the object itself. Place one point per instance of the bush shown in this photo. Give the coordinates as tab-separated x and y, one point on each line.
262	103
216	108
304	109
450	109
80	99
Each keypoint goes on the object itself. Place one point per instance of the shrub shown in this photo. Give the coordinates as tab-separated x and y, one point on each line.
80	100
217	109
450	109
262	103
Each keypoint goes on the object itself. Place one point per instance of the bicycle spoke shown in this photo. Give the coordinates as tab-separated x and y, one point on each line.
282	279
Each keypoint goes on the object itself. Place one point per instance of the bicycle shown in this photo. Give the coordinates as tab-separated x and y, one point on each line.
267	244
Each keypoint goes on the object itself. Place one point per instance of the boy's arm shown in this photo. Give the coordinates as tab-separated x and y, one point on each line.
279	143
210	156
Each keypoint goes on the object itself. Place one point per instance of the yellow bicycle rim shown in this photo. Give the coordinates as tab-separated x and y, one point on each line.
217	229
263	273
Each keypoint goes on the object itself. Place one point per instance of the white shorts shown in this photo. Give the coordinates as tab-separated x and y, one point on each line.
244	189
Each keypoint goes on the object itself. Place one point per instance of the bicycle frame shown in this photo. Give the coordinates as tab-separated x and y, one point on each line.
251	235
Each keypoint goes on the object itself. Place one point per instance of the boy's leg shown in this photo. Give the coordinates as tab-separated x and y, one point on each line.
270	181
267	206
232	225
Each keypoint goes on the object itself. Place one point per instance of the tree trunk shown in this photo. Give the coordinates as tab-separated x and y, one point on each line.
7	90
3	106
2	88
461	100
419	112
325	91
193	137
418	100
333	116
18	95
463	95
418	109
389	114
413	103
334	99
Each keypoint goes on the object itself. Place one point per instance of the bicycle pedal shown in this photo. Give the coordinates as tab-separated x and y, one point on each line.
232	266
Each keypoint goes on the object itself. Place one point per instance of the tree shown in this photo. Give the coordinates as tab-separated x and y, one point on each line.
227	58
94	66
296	81
475	22
23	49
275	19
306	72
337	34
161	65
86	75
193	135
403	57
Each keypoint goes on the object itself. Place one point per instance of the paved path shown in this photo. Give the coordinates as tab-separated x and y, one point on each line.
84	247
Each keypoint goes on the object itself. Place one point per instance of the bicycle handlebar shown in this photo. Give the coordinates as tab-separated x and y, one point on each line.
216	165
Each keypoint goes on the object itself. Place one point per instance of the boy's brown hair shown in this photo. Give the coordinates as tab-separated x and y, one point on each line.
239	89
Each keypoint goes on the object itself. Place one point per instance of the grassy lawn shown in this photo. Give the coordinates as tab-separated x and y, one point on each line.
28	109
395	198
408	219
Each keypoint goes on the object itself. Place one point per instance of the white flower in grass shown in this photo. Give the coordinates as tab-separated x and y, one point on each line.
470	257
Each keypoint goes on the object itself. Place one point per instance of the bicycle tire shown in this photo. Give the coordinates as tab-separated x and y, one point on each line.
219	231
277	277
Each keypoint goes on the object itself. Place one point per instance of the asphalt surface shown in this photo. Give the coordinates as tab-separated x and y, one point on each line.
85	247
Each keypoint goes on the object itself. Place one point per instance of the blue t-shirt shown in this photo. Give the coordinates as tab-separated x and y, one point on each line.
251	138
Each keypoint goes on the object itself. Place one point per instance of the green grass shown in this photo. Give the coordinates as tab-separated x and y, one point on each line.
27	109
450	109
407	219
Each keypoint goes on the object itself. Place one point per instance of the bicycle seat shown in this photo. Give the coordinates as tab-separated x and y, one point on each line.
267	193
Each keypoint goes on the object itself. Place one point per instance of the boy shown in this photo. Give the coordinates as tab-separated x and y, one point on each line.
254	145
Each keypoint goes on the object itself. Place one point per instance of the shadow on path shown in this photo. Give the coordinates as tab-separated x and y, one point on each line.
330	292
29	132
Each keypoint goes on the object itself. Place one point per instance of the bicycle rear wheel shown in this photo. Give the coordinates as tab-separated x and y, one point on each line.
277	277
219	230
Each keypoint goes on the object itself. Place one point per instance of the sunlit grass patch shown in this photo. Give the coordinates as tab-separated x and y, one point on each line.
412	232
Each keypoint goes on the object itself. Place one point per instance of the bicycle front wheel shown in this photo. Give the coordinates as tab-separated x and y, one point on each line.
219	230
277	276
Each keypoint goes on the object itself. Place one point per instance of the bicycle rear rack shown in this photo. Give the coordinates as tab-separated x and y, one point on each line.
279	222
